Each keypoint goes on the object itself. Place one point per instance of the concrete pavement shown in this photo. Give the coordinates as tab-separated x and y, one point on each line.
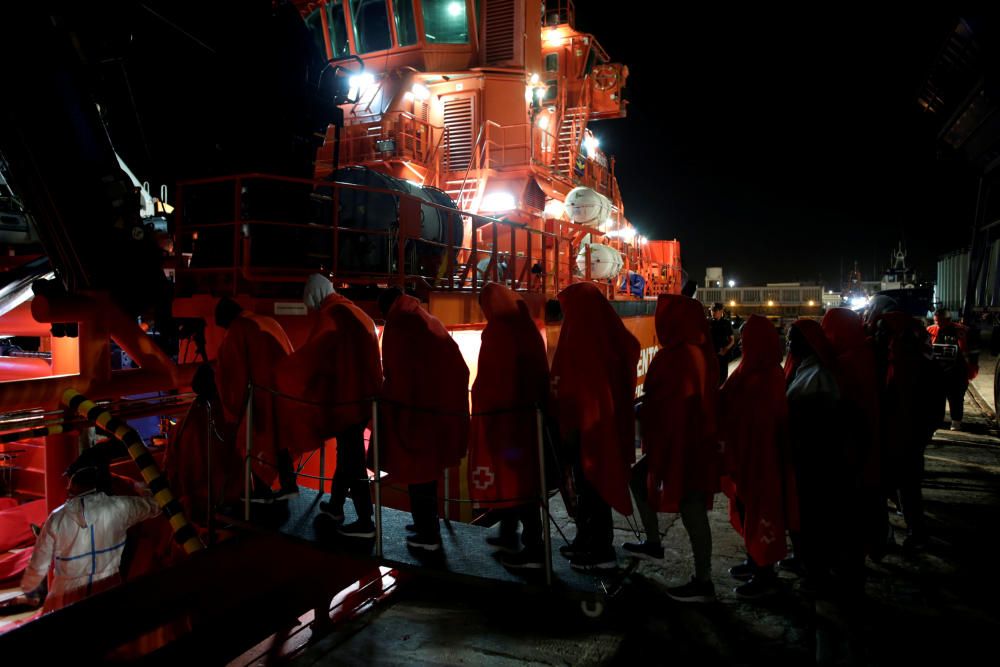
937	606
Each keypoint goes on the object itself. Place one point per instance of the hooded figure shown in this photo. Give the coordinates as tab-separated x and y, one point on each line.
425	410
336	373
856	376
678	415
678	421
753	425
83	539
424	407
911	394
249	354
199	438
511	383
593	388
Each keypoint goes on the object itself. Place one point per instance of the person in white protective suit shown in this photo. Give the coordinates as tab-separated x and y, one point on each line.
83	539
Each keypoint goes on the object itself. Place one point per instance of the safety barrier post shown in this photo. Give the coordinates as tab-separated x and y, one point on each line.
322	469
210	518
546	536
447	503
378	480
247	464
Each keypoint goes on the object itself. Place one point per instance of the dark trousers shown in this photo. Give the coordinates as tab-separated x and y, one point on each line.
351	476
423	507
286	470
723	360
594	528
956	388
529	515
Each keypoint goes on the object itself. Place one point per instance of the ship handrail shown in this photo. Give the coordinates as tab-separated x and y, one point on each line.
458	258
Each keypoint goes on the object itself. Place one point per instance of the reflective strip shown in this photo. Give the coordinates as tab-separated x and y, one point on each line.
103	419
163	497
120	433
150	473
97	551
178	521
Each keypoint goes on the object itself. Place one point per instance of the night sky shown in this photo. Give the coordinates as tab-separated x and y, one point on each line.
783	146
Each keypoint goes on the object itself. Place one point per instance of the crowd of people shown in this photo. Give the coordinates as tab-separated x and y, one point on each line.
810	444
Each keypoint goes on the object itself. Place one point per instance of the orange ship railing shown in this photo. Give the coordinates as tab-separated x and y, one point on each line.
394	135
231	248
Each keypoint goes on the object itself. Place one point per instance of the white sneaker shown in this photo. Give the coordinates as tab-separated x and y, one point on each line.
956	426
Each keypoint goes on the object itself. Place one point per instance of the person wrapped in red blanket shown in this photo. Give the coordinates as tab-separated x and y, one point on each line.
511	384
593	389
759	479
424	408
679	438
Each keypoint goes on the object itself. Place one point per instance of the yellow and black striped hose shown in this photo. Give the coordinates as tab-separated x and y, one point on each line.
40	432
184	533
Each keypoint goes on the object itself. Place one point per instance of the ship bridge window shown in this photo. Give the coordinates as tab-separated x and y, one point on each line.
371	25
406	26
445	22
552	62
338	29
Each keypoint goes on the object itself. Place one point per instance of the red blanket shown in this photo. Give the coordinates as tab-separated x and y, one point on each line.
678	416
753	423
593	380
250	352
513	379
424	425
336	373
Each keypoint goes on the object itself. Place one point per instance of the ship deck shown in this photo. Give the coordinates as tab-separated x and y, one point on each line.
464	556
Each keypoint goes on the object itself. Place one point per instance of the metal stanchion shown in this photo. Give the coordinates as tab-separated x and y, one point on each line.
546	536
322	468
247	465
447	503
208	472
378	480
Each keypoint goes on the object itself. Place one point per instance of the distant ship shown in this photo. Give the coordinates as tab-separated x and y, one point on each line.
899	282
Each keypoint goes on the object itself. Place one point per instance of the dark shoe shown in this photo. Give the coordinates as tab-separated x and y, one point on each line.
333	510
792	564
529	558
743	572
650	551
425	542
570	550
507	545
758	587
693	591
589	561
359	529
286	492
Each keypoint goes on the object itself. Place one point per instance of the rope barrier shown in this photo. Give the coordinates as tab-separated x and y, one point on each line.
184	533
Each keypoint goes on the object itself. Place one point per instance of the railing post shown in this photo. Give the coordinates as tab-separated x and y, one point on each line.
494	262
475	255
208	473
555	265
336	230
247	462
377	481
448	260
322	468
546	536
